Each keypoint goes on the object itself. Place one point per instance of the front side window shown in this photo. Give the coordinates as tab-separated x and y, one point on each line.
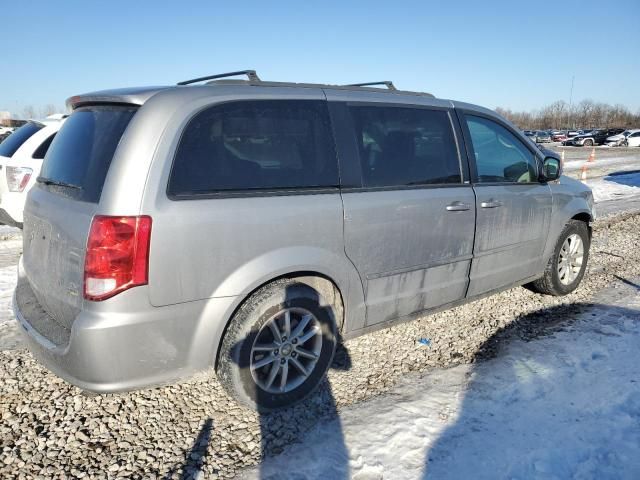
500	155
405	146
256	145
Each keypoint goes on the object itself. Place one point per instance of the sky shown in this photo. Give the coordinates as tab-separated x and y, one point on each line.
506	54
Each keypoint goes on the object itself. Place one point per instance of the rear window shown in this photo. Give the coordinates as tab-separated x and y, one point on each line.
253	146
79	157
14	141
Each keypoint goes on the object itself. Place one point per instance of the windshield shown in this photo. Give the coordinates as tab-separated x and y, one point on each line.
81	153
17	138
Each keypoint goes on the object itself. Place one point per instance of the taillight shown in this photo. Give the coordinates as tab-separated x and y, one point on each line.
117	255
17	178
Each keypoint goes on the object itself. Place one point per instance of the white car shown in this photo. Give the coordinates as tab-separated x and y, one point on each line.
21	156
619	139
633	139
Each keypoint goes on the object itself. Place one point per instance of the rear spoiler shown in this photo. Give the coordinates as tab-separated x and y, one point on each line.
123	96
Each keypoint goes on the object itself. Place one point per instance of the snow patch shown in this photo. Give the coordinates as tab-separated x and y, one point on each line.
565	406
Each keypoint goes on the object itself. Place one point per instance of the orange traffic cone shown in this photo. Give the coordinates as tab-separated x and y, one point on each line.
592	156
583	176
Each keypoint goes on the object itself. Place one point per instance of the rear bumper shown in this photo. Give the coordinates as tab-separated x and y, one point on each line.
115	351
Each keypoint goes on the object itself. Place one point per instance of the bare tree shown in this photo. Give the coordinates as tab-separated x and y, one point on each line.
586	114
49	109
29	112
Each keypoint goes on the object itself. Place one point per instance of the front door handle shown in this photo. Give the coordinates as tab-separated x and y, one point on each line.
491	204
458	207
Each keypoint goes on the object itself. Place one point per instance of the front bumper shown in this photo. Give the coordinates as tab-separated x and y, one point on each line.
135	347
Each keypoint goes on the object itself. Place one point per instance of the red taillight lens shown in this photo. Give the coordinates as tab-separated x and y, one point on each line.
117	255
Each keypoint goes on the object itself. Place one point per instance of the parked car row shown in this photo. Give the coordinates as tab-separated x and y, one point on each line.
548	136
594	137
613	137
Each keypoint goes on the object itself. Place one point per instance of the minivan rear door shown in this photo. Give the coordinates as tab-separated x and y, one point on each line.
409	216
60	207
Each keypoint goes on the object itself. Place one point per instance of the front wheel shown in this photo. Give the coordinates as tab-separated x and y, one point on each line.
567	265
278	346
588	143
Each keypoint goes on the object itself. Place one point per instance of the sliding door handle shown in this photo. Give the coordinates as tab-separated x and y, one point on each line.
491	204
458	207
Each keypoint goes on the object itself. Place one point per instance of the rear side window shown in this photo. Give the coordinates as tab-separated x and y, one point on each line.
256	145
41	151
405	146
14	141
80	155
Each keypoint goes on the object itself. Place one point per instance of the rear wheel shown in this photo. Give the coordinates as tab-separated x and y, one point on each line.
588	143
278	346
567	265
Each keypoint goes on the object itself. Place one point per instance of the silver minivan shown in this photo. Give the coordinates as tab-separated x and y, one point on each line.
250	225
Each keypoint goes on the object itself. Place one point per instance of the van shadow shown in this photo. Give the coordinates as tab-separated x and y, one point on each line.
526	414
195	457
281	429
630	178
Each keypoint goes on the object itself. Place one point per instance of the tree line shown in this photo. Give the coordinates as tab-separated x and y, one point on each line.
586	114
29	111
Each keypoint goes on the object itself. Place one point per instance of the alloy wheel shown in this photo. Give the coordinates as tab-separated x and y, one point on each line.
570	259
286	350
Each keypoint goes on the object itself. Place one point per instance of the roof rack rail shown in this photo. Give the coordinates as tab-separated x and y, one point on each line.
251	75
388	83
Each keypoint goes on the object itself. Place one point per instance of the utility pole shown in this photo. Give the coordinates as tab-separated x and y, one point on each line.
570	101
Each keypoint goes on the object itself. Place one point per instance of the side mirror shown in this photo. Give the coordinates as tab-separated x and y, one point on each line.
550	169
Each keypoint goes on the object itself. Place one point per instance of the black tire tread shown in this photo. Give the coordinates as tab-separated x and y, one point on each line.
545	285
226	365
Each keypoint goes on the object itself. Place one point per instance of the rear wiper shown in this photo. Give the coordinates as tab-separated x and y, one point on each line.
58	183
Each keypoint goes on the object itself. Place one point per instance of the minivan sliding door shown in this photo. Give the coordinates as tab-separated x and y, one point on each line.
409	219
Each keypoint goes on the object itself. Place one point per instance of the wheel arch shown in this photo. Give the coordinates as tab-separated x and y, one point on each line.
576	209
324	284
585	217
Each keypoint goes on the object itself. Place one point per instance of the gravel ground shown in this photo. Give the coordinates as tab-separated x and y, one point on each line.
193	430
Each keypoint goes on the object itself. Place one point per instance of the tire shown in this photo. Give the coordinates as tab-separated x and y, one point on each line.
249	333
588	143
551	282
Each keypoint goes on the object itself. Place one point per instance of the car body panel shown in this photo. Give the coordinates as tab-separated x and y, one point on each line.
510	239
430	265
